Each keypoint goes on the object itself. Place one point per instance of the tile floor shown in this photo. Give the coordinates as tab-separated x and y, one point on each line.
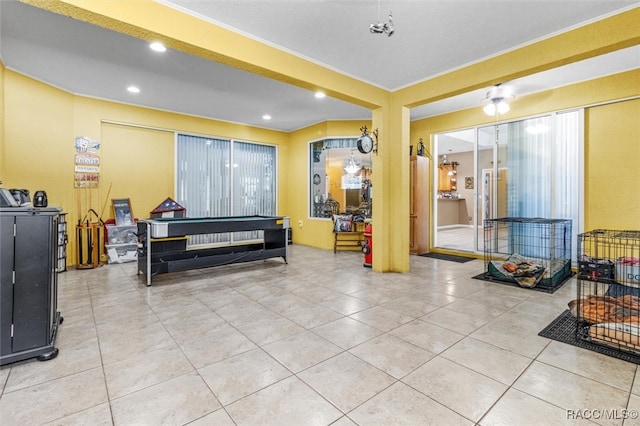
319	341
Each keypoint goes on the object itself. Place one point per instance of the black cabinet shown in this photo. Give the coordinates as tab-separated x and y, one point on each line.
29	317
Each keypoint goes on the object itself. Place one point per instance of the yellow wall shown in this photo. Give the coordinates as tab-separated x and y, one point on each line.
42	122
612	166
612	137
312	231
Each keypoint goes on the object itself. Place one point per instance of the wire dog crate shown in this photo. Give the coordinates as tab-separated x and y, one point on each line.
532	252
608	295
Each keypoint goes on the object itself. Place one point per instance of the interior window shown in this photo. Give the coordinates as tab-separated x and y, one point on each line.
340	178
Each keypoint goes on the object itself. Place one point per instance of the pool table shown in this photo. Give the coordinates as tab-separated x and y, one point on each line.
162	244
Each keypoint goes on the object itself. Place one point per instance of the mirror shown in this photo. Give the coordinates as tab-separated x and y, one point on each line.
333	189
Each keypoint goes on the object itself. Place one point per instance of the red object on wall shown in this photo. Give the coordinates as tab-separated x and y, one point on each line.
367	247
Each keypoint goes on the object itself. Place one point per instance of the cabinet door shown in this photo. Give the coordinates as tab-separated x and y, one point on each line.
31	292
6	282
412	185
444	180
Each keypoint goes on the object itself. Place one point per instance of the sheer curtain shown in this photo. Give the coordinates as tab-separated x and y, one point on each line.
222	177
544	158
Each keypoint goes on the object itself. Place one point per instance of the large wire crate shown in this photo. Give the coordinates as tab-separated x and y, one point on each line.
532	252
608	293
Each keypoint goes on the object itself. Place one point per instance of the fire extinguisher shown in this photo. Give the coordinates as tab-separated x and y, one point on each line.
367	247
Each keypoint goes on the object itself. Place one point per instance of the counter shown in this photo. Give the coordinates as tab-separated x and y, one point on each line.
452	211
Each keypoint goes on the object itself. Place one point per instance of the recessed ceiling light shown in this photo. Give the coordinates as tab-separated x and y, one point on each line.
157	46
320	95
133	89
266	117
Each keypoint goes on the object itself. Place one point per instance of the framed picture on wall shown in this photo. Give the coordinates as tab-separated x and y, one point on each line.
468	182
122	211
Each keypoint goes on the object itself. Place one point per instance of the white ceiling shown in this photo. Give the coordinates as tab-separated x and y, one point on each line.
431	38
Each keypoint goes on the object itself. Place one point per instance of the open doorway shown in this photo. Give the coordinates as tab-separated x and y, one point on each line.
454	190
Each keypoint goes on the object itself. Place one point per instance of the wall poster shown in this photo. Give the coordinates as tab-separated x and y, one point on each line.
86	163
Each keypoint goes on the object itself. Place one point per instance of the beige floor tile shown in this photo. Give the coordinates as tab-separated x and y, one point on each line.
145	370
72	358
635	389
570	391
176	401
181	309
492	361
78	313
518	408
344	421
346	332
264	332
632	413
118	345
402	405
317	294
302	350
381	318
250	312
462	286
346	381
455	321
433	296
285	302
431	337
514	333
392	355
217	418
477	308
411	306
465	391
241	375
193	327
378	295
287	402
4	375
53	399
99	415
346	305
312	316
223	298
599	367
215	346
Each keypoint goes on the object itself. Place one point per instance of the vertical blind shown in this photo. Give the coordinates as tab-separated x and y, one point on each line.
222	177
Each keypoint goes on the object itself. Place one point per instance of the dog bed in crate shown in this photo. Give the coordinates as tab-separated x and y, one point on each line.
530	272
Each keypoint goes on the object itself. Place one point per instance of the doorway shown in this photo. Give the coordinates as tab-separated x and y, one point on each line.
454	190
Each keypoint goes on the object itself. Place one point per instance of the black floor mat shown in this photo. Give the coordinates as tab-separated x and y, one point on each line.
564	329
485	276
449	257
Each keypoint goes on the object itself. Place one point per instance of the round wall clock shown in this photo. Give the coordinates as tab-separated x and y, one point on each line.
365	144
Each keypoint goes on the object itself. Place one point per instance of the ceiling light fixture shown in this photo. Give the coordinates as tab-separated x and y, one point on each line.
320	95
133	89
382	27
157	46
497	100
351	166
266	117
